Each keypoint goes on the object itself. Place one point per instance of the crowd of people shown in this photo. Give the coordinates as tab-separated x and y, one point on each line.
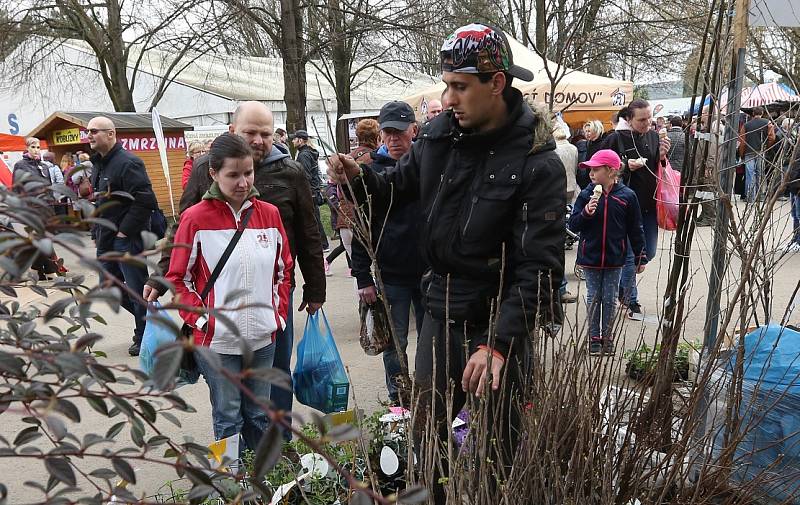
462	220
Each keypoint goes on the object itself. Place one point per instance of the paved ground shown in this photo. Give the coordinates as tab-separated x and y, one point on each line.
367	372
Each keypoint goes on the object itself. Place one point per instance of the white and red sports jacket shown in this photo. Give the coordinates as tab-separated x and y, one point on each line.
260	265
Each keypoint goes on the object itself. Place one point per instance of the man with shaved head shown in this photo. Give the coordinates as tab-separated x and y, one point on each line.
434	109
119	172
281	182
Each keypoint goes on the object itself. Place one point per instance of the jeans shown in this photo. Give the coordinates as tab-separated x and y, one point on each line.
627	283
601	301
231	411
400	299
134	277
795	199
284	344
752	176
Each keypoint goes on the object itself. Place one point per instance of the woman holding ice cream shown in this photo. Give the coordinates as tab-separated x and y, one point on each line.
607	216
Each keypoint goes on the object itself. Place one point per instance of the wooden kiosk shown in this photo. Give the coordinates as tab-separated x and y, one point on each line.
65	133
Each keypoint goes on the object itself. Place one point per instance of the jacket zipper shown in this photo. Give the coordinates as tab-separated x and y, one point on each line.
469	216
525	230
436	198
603	247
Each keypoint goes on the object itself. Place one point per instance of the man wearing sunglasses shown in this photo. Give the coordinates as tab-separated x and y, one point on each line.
125	197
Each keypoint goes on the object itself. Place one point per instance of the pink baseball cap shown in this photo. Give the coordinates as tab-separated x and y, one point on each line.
603	157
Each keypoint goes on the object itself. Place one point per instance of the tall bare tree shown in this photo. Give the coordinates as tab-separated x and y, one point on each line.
118	35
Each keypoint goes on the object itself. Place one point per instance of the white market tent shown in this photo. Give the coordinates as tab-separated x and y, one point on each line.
580	95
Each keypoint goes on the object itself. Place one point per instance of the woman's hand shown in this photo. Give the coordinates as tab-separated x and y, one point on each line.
591	207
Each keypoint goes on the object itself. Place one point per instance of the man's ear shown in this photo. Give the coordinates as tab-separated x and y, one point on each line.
498	83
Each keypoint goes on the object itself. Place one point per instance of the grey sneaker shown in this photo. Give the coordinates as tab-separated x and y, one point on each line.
595	348
635	312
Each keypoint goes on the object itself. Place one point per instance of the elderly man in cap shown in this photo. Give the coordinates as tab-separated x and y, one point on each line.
492	192
395	238
309	158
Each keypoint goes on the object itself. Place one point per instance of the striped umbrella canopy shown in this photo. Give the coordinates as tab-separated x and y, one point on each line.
765	94
754	96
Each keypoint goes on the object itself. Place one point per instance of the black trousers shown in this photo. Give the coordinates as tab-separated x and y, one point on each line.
442	354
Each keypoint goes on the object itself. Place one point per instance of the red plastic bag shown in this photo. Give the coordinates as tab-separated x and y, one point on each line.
667	197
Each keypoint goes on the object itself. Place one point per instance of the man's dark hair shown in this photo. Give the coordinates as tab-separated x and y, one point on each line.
487	76
227	145
676	121
280	131
623	113
758	111
639	103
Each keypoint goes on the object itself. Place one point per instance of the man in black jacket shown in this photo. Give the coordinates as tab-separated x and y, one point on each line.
281	182
308	157
395	240
117	170
492	229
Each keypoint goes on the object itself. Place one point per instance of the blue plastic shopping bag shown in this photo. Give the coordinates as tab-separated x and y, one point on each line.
320	380
155	334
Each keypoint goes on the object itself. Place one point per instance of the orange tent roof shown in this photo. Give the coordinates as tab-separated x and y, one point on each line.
15	142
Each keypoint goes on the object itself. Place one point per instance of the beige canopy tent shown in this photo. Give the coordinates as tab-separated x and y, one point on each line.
579	95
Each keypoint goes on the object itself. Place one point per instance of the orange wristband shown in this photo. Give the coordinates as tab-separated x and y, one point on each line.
496	354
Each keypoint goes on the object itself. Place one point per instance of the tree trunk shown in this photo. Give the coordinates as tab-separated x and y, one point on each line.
294	65
541	26
341	71
114	57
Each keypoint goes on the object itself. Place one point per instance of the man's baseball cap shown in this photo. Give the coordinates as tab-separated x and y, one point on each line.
300	134
480	49
603	157
397	115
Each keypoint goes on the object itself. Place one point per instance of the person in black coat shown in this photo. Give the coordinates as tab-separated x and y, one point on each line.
309	158
124	196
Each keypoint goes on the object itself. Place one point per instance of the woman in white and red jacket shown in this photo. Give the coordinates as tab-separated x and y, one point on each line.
258	270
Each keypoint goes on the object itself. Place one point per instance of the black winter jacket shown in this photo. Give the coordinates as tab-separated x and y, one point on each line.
631	145
122	171
397	241
605	234
308	157
281	182
482	194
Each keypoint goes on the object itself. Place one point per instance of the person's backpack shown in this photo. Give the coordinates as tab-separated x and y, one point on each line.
158	223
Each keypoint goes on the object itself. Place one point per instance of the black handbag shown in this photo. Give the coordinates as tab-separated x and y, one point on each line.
189	372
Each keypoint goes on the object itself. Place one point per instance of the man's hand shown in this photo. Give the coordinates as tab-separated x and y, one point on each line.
639	269
368	295
150	293
310	307
663	147
474	378
121	235
342	168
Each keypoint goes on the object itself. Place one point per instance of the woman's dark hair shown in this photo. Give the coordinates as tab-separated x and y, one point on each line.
227	145
636	104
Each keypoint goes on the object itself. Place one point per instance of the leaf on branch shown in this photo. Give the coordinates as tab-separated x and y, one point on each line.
124	470
412	495
114	430
27	435
268	452
61	470
361	498
69	410
168	362
197	476
274	376
87	340
56	426
57	308
103	473
149	240
343	432
11	365
200	491
235	295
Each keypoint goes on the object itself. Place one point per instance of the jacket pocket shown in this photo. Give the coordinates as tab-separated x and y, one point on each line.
459	300
491	206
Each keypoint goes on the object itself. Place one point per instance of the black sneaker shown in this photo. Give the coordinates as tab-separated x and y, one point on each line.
608	347
595	348
635	312
134	349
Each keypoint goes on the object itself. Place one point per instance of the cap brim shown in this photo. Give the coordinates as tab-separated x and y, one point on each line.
590	164
397	125
520	73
